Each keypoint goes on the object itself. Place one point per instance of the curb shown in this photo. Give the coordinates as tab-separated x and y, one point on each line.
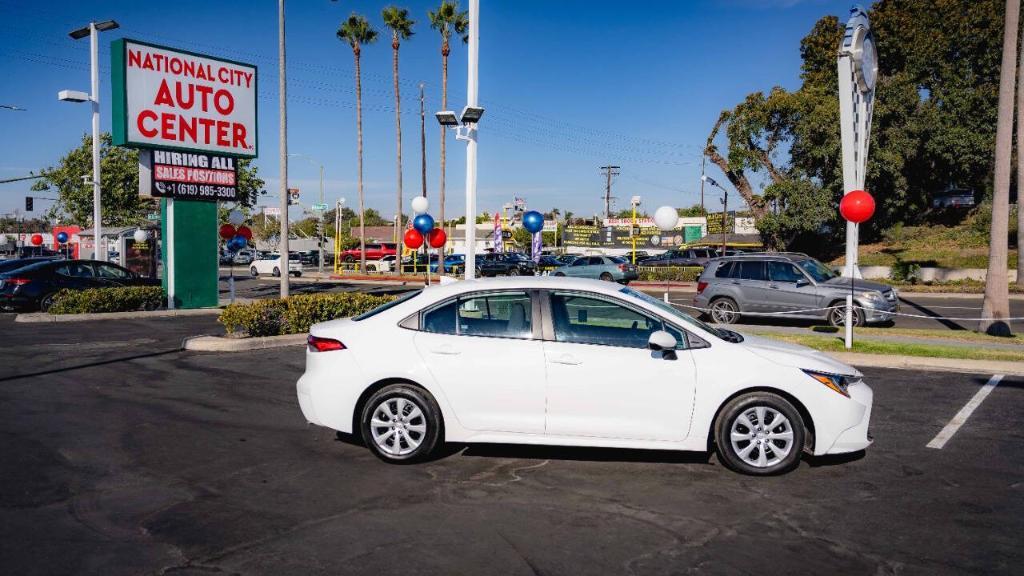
90	317
221	344
858	359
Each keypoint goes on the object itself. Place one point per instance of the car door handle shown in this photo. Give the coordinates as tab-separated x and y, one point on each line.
446	350
567	359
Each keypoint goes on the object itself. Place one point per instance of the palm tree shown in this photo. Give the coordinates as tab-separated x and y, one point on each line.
357	31
445	20
397	20
996	305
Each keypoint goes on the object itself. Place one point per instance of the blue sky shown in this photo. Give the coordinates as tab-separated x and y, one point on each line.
568	86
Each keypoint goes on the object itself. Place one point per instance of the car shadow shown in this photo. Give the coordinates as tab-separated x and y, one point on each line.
585	454
833	459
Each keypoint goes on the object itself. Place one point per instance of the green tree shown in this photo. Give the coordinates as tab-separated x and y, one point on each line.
447	19
119	169
357	31
397	20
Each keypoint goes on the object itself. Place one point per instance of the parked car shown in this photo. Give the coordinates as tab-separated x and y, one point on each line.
226	258
954	198
453	264
505	264
791	283
569	258
271	264
607	268
245	256
548	263
682	257
33	287
374	251
14	264
310	257
385	264
572	362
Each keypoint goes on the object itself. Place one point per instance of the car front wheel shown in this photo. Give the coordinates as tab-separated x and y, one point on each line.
759	434
277	271
254	272
46	302
837	315
401	424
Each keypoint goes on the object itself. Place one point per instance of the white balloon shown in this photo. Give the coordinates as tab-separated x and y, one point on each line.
420	205
236	217
666	218
140	235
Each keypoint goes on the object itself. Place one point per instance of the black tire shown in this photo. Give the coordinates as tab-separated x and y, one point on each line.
606	276
253	272
390	398
277	271
513	272
46	302
766	458
348	258
837	314
559	273
724	311
296	274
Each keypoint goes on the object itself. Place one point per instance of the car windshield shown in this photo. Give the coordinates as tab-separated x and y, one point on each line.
386	306
671	310
816	270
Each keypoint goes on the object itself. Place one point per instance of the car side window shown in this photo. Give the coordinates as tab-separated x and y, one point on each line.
596	261
76	270
108	271
584	320
749	270
499	315
784	272
723	270
581	262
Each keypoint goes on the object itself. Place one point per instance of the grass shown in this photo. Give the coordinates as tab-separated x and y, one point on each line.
951	286
831	344
944	334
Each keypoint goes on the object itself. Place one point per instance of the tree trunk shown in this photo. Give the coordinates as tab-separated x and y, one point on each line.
359	150
1020	170
398	131
996	307
737	178
444	131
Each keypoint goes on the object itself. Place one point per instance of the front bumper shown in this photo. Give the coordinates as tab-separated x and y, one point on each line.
883	311
856	437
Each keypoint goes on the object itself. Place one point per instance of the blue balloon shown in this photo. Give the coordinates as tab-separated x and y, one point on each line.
62	237
423	224
533	221
237	243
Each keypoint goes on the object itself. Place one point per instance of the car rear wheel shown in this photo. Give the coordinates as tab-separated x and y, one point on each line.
837	315
724	311
277	271
759	434
401	424
513	272
349	258
253	272
559	273
296	274
606	276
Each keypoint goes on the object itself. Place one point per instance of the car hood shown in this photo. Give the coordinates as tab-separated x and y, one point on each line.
795	355
859	284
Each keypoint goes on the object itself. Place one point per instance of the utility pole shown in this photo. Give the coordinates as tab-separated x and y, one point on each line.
703	161
609	171
283	113
725	218
423	142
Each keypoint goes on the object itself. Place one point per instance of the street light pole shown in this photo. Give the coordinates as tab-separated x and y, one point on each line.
283	144
725	207
472	84
94	65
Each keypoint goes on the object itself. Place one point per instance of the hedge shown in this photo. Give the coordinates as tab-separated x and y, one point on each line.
669	273
122	299
296	314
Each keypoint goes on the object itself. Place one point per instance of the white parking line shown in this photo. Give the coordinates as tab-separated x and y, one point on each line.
946	433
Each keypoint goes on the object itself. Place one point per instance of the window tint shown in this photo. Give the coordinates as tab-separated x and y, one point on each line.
76	270
723	270
581	262
618	259
784	272
387	305
441	320
584	320
503	315
108	271
749	270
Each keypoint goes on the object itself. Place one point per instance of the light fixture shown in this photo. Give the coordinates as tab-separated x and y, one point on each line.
472	114
447	118
709	180
72	96
100	26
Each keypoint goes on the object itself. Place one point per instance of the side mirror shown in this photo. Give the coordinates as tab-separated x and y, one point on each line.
802	282
661	340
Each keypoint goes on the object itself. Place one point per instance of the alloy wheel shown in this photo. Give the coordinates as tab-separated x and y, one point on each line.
723	312
761	436
398	426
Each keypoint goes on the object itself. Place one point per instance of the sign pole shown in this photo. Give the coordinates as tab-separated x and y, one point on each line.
169	253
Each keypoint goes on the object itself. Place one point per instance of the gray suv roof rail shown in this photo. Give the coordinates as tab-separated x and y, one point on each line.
763	255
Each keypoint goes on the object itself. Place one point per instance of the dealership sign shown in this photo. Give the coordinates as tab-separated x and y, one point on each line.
175	100
187	176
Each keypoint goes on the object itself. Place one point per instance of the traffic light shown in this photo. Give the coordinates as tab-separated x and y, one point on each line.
28	203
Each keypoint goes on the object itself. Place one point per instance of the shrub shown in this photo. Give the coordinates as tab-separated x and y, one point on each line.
122	299
669	273
905	272
296	314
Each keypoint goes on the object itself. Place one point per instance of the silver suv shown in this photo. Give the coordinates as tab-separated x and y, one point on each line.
790	285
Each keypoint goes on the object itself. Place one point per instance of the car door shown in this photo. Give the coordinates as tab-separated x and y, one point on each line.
790	289
603	380
485	353
751	281
76	275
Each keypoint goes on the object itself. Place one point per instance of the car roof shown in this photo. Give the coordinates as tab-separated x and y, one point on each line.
787	256
522	283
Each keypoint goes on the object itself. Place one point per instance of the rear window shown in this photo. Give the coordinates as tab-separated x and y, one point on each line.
617	259
407	296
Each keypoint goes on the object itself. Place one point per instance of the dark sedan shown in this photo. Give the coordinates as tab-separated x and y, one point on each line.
15	263
505	264
34	286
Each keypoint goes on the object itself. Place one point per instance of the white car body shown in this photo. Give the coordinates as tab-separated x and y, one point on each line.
385	264
540	391
267	265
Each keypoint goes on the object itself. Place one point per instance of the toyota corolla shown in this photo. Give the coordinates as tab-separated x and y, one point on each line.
572	362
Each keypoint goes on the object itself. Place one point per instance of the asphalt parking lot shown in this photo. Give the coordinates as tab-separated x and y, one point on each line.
136	458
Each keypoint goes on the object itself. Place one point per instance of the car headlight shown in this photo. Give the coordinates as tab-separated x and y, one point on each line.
837	382
873	297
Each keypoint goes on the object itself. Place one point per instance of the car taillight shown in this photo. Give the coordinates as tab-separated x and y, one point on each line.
701	286
623	267
17	281
317	344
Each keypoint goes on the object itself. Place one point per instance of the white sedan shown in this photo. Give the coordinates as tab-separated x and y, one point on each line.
271	264
573	362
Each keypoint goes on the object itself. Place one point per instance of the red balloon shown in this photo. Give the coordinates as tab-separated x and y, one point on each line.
227	231
437	238
857	206
244	232
37	239
413	239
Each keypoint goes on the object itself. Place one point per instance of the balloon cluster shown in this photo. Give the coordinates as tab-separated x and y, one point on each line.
423	227
237	236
